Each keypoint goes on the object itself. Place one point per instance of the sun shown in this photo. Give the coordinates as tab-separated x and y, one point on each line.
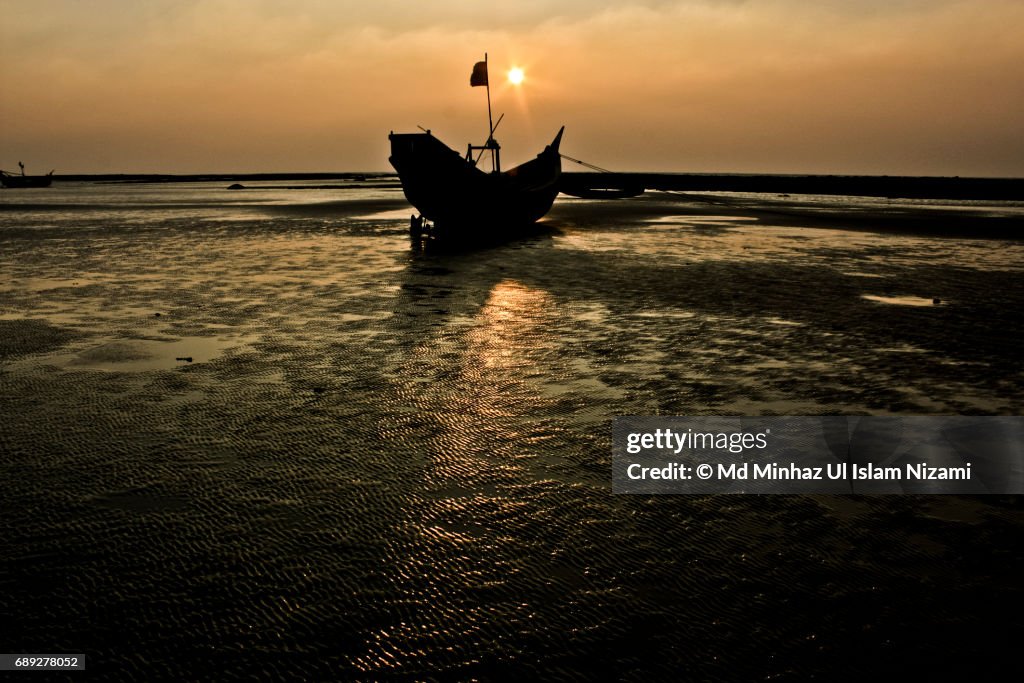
515	76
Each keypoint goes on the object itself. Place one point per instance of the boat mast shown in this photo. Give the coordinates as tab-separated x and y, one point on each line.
491	144
496	161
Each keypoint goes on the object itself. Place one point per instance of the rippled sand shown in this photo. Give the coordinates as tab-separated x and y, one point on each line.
275	439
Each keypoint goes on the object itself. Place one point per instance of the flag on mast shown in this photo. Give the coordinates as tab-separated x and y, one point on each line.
479	76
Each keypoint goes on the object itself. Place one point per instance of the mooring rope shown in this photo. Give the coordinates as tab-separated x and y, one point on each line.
583	163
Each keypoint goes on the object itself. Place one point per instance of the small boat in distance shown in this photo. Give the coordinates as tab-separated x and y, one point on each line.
22	180
459	197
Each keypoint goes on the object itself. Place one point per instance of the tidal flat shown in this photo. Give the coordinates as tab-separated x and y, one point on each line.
256	434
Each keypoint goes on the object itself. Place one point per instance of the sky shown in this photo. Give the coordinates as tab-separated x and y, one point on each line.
897	87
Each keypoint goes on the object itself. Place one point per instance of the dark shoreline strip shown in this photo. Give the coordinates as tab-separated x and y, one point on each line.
904	187
998	189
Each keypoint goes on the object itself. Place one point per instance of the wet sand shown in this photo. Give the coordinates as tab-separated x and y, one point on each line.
280	442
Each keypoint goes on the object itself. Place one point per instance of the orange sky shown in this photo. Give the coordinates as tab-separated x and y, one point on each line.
930	87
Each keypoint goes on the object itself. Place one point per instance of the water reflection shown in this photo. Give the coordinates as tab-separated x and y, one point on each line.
507	324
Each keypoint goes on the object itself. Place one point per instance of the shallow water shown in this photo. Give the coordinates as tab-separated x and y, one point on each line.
382	462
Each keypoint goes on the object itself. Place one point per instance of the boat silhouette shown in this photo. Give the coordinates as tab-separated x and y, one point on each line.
454	193
461	198
9	179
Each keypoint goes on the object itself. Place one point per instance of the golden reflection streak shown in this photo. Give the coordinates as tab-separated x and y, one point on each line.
507	323
475	394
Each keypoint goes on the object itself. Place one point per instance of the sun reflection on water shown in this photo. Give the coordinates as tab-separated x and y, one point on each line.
506	325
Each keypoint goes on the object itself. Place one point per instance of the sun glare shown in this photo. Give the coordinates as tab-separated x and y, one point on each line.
515	76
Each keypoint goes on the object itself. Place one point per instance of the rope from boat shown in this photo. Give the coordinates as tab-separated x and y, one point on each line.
489	138
583	163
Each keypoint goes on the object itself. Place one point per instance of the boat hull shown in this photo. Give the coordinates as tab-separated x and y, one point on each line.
459	197
9	180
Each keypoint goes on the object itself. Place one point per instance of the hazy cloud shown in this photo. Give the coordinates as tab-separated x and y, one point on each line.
886	87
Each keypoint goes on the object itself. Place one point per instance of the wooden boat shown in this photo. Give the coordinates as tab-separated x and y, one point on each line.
454	193
22	180
461	198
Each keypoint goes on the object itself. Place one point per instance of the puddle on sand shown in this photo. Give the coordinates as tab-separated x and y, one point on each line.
903	300
783	321
140	355
700	220
395	215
